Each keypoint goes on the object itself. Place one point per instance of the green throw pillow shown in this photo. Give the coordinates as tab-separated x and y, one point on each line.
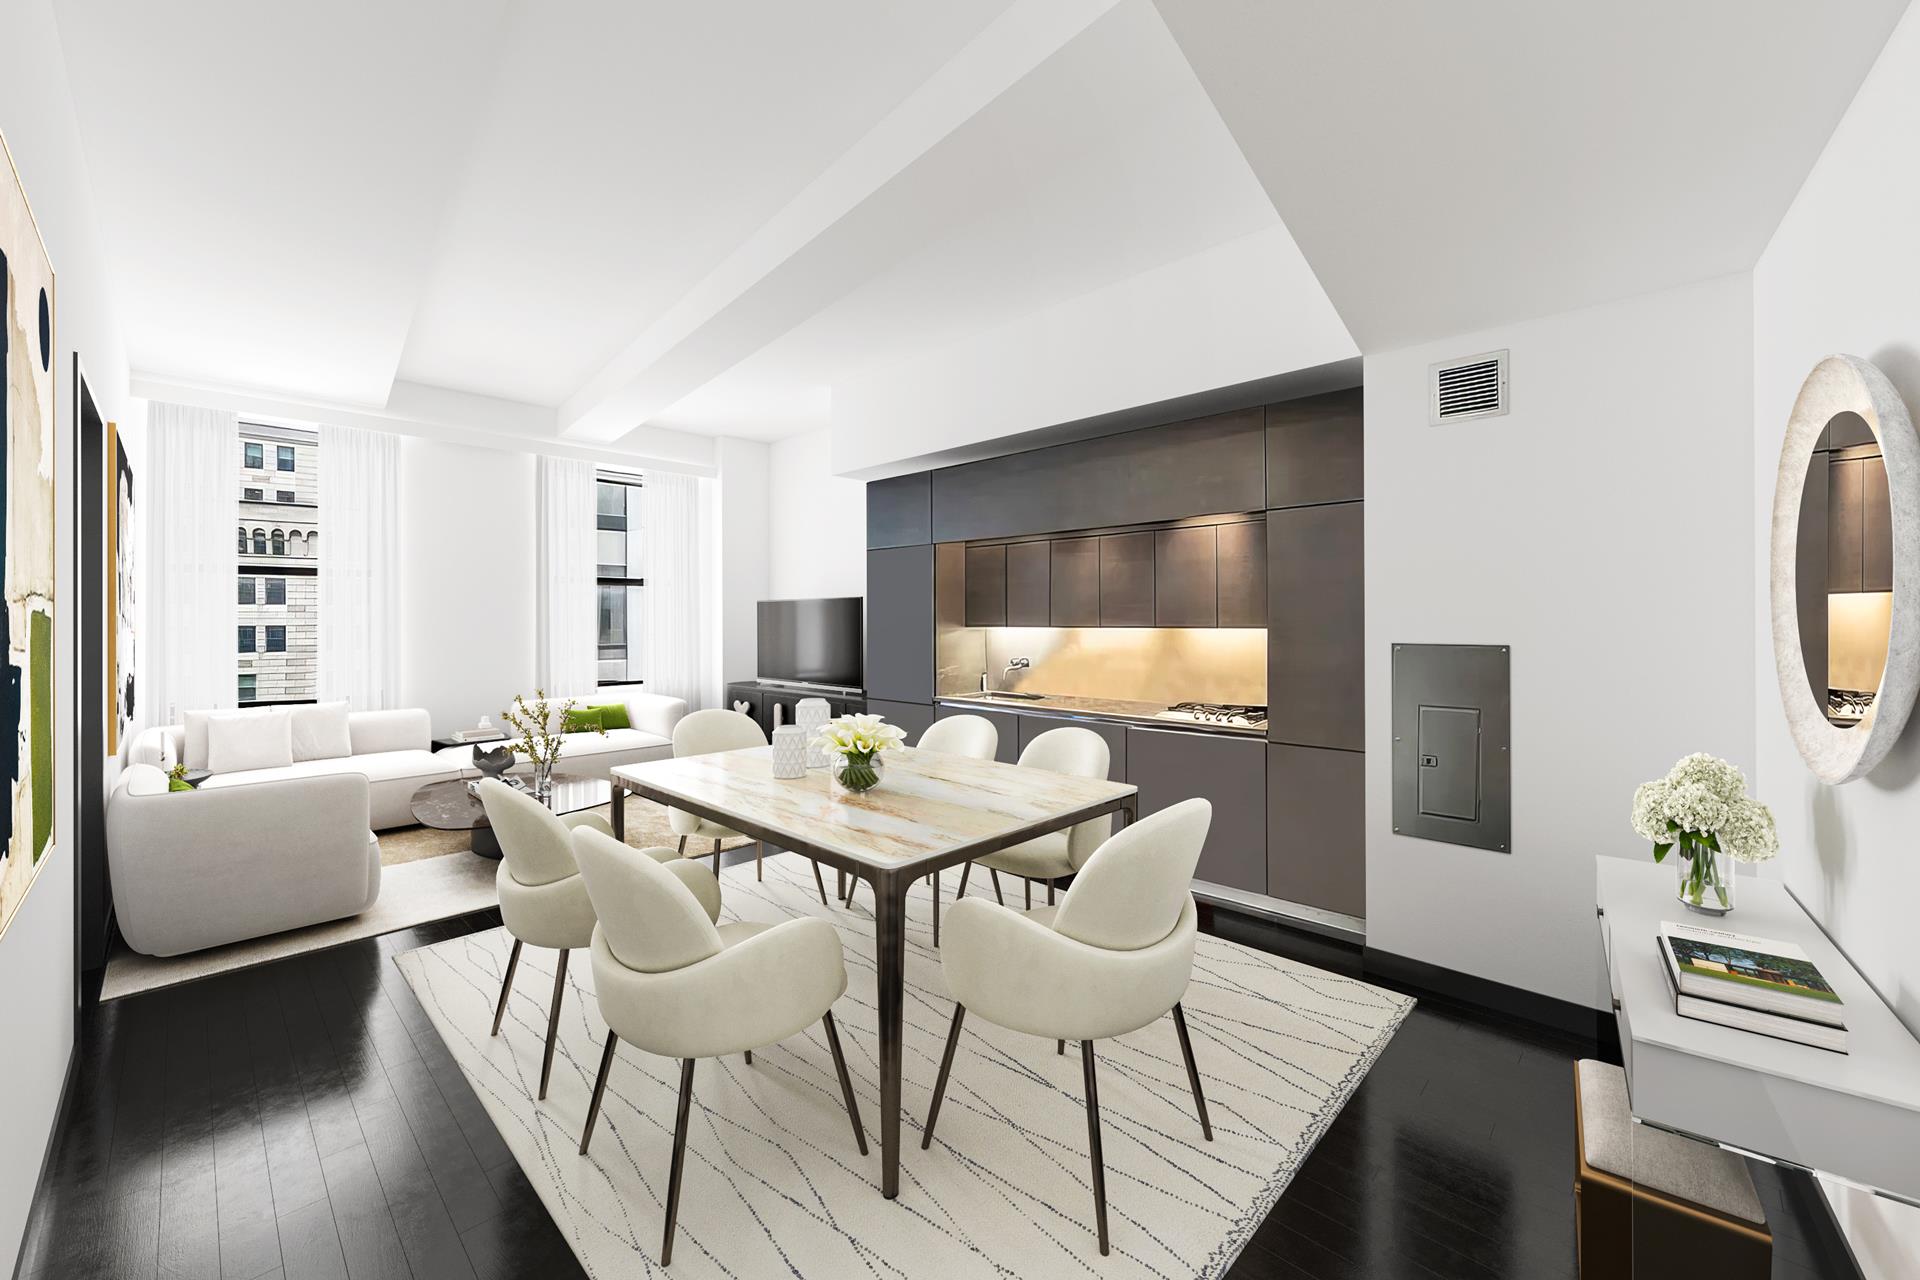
178	784
613	715
584	720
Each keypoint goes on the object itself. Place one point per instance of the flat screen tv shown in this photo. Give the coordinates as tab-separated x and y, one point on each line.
811	641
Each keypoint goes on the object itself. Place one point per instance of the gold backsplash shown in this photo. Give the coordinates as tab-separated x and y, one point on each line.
1143	664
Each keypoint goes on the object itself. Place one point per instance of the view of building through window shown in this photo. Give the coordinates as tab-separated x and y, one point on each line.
279	549
622	588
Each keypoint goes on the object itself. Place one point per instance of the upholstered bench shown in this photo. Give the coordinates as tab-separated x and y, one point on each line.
1648	1203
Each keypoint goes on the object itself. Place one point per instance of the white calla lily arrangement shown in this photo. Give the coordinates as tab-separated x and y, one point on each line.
857	742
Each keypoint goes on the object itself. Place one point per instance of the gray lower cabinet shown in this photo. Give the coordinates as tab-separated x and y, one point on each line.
1169	766
900	624
1032	726
1316	827
914	717
1005	723
1316	670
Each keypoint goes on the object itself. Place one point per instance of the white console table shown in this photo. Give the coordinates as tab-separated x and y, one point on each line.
1855	1115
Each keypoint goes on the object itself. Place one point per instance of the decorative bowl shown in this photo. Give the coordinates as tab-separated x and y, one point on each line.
493	763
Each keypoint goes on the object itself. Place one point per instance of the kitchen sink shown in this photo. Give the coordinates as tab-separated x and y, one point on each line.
1008	693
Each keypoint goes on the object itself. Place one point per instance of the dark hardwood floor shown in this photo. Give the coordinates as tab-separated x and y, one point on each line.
302	1119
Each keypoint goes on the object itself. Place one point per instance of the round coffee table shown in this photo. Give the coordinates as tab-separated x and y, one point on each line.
450	806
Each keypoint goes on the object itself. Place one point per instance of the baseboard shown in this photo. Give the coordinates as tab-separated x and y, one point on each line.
1497	997
46	1155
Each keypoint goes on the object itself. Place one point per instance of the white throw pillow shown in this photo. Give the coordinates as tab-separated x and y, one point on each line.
238	741
194	738
320	731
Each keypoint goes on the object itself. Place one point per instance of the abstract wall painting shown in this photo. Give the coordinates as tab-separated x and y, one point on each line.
26	545
121	527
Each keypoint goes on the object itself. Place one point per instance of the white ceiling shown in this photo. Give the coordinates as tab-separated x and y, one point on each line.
597	220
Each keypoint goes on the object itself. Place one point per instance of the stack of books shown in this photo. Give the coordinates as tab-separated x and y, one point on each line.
1752	984
478	735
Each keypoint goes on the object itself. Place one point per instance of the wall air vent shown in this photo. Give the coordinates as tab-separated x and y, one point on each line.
1475	387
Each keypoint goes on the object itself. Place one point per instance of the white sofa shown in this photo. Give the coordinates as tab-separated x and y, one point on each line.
594	755
195	869
392	750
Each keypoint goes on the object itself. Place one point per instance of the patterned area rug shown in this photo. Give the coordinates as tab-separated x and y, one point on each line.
775	1186
646	825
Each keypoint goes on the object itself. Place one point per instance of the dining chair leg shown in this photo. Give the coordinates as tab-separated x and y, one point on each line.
506	986
1193	1072
759	851
936	909
818	882
553	1022
749	1057
1093	1143
1060	1048
599	1089
1028	886
966	869
683	846
997	896
846	1081
716	857
1049	890
940	1082
679	1159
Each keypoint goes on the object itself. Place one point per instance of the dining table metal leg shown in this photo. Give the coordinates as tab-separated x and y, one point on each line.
1028	886
890	954
936	909
618	814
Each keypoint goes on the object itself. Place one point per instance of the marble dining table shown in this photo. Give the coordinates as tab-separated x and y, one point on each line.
931	811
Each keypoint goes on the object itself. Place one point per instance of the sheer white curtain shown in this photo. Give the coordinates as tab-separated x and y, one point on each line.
677	643
192	515
568	649
359	624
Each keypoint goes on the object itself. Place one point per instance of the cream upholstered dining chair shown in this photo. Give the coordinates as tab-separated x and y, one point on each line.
672	983
702	733
1114	956
971	736
1083	753
543	900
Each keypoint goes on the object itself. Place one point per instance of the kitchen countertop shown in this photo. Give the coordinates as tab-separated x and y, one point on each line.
1144	713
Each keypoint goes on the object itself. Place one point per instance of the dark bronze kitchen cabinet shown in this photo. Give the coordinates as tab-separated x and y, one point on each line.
1242	573
1186	581
1126	579
1876	527
986	586
911	716
1316	827
1075	579
1169	766
1033	724
1316	630
1846	509
1030	584
900	624
1314	450
900	511
1005	723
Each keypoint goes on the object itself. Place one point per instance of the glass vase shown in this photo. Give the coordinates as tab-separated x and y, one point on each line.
857	774
1705	877
542	779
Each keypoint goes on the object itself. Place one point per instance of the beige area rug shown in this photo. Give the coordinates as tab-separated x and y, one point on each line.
775	1186
420	881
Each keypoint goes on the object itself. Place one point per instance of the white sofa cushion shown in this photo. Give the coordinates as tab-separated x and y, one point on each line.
376	731
194	740
242	741
593	744
320	731
146	780
381	766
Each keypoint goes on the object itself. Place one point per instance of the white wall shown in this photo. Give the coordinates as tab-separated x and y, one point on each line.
741	530
1842	274
1601	529
37	951
467	546
817	522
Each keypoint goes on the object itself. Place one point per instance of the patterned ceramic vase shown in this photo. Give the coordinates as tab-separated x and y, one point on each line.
810	714
790	751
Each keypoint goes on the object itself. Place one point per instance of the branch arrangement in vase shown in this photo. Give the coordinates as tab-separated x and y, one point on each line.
1702	810
541	728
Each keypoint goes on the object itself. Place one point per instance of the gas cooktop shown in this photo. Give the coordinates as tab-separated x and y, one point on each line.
1243	714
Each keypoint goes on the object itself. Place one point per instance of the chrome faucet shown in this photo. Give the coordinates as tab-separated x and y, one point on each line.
1018	664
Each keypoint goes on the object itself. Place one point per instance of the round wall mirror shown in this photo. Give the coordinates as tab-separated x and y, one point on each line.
1846	520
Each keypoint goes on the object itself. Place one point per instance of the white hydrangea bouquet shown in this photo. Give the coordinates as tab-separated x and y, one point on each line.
1703	808
856	743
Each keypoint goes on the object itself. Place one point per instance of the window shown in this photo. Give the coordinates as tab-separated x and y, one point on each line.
276	639
246	639
243	542
246	593
283	457
251	495
283	495
617	536
259	542
279	542
276	590
256	458
279	463
246	687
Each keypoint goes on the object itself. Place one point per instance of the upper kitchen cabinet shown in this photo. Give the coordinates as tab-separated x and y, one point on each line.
1314	450
1075	575
1859	524
900	655
1242	574
1126	579
986	586
1209	466
1030	584
900	511
1316	632
1186	578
